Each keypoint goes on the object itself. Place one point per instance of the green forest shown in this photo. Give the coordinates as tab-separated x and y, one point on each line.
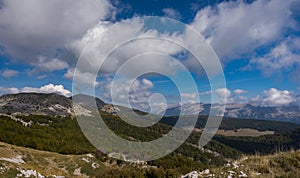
63	135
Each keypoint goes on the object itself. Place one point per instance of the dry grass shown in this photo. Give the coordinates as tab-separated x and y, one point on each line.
48	163
282	164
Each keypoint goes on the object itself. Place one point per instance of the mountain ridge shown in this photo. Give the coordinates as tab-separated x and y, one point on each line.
290	113
54	104
50	104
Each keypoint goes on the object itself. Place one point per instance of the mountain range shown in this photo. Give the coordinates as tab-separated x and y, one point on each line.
29	120
289	113
54	104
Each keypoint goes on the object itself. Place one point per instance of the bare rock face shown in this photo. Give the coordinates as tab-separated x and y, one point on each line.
44	104
36	103
87	101
110	109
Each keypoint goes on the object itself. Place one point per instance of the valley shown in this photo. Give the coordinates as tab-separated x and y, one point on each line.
56	140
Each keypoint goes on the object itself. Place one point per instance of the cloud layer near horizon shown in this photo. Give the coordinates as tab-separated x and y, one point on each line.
50	88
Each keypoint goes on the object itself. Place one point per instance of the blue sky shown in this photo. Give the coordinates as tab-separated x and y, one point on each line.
257	42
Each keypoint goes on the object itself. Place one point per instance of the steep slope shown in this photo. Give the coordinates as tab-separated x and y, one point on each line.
19	161
85	101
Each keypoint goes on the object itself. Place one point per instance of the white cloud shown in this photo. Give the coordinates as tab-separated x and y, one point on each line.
81	77
189	98
50	64
256	98
276	97
136	91
147	83
189	95
8	73
157	104
77	45
283	57
172	13
12	90
41	77
241	99
271	97
224	95
239	91
31	28
69	74
206	92
50	88
236	28
118	33
223	92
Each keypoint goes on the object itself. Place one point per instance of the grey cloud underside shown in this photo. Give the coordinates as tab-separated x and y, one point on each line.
50	27
46	26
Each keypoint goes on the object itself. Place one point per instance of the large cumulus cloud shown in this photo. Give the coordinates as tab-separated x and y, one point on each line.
35	29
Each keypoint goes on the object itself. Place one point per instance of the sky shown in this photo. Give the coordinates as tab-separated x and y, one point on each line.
256	42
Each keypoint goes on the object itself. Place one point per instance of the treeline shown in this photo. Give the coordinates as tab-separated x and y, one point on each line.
63	135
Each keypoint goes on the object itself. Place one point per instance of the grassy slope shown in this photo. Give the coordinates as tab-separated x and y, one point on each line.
283	164
63	135
46	163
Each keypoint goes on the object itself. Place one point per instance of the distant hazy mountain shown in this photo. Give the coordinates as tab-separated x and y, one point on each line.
289	113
